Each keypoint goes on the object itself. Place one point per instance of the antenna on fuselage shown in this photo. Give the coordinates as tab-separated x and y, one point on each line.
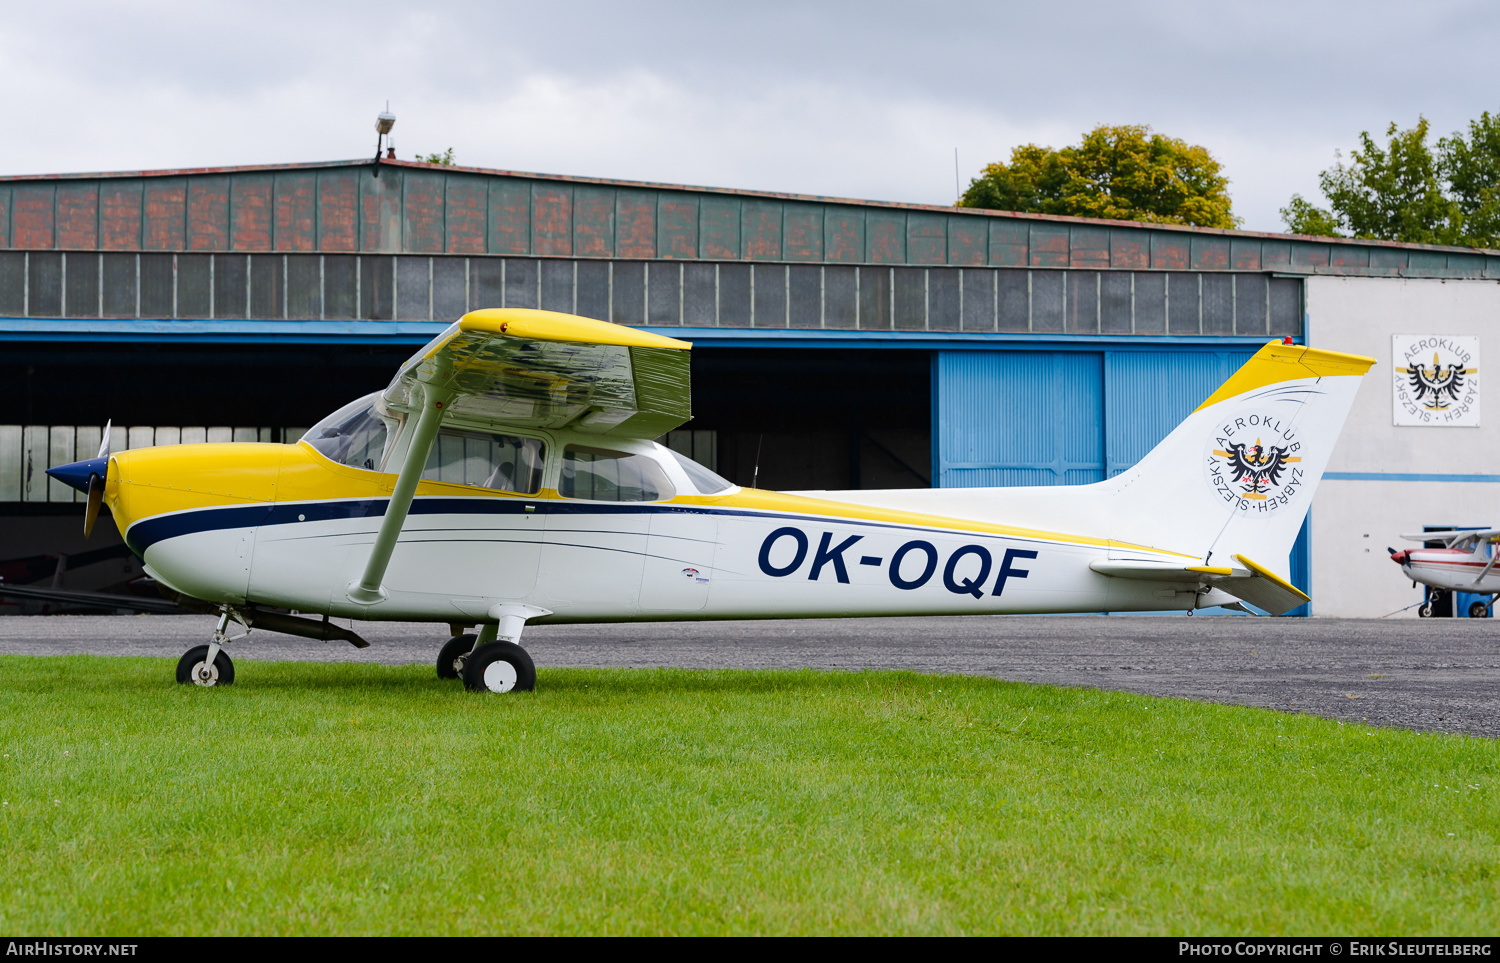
755	476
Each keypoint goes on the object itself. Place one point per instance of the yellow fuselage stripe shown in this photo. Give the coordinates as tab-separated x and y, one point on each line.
146	482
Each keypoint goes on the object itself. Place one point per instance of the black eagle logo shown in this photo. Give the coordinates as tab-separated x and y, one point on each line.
1256	467
1438	381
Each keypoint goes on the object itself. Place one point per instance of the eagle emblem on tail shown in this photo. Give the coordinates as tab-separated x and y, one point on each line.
1437	382
1256	468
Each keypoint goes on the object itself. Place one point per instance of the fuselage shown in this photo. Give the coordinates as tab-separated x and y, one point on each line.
1456	569
284	525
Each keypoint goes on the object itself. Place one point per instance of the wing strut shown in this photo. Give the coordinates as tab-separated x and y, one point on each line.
368	589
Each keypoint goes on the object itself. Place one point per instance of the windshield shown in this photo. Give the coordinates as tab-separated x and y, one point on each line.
707	482
354	435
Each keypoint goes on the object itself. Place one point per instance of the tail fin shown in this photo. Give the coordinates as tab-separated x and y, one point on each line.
1237	476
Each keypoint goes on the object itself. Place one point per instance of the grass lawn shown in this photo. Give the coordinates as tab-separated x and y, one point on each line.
320	799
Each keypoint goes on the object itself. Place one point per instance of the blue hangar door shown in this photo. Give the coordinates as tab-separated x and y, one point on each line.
1069	416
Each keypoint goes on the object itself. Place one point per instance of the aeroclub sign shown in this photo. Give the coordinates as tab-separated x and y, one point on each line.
1436	380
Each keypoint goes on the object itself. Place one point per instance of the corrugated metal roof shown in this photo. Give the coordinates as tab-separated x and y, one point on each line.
411	207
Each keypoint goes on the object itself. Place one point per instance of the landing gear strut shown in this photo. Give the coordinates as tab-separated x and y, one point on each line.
209	665
498	663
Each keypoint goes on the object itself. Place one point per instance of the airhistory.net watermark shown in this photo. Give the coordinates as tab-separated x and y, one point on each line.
67	948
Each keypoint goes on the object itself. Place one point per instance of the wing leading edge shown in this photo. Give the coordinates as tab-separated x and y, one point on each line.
543	369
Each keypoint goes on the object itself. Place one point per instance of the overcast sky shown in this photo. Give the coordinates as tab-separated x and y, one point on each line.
861	99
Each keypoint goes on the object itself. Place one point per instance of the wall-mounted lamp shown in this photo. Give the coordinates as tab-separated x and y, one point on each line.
384	121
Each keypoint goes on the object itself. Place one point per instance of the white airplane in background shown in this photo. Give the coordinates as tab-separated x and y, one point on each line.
508	475
1463	564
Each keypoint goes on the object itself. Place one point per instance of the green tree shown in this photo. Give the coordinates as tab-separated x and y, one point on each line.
1392	193
1472	170
1126	173
1304	217
445	158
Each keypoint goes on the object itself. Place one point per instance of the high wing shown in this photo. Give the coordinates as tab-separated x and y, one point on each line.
519	368
1449	536
542	369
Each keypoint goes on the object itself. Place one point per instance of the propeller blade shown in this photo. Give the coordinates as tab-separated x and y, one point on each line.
96	484
96	498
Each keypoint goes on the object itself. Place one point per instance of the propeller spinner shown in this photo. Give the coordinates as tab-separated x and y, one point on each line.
88	477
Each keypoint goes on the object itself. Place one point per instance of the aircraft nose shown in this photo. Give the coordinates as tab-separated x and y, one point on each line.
78	473
1398	557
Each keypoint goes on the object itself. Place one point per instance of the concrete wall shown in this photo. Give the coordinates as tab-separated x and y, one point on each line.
1354	519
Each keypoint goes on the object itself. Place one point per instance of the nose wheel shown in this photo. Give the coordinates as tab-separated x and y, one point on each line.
200	667
209	665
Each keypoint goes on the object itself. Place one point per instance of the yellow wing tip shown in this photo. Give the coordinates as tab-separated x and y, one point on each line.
557	326
1210	569
1277	362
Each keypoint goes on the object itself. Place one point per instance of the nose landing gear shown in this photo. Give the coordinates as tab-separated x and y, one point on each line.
209	665
205	665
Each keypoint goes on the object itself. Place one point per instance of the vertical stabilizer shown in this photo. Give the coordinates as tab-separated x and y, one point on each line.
1236	477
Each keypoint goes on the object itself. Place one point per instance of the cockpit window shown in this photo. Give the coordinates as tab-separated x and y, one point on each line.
707	482
355	435
503	462
611	476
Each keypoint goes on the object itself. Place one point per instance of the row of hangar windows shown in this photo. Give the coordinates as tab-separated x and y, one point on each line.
696	293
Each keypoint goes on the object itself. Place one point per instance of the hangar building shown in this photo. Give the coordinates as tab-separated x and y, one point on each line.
839	343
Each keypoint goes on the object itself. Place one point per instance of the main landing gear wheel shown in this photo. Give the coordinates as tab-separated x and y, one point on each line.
1478	610
194	667
499	667
455	652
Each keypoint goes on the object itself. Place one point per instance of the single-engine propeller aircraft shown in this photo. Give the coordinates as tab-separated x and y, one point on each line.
508	475
1463	564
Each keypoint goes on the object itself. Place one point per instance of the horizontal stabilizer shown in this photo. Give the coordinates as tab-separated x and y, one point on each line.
1250	581
1262	588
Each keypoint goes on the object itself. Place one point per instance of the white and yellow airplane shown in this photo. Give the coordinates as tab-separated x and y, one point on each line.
508	475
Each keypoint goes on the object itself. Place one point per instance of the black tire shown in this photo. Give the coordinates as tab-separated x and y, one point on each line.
1478	610
223	673
455	652
1425	612
499	667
